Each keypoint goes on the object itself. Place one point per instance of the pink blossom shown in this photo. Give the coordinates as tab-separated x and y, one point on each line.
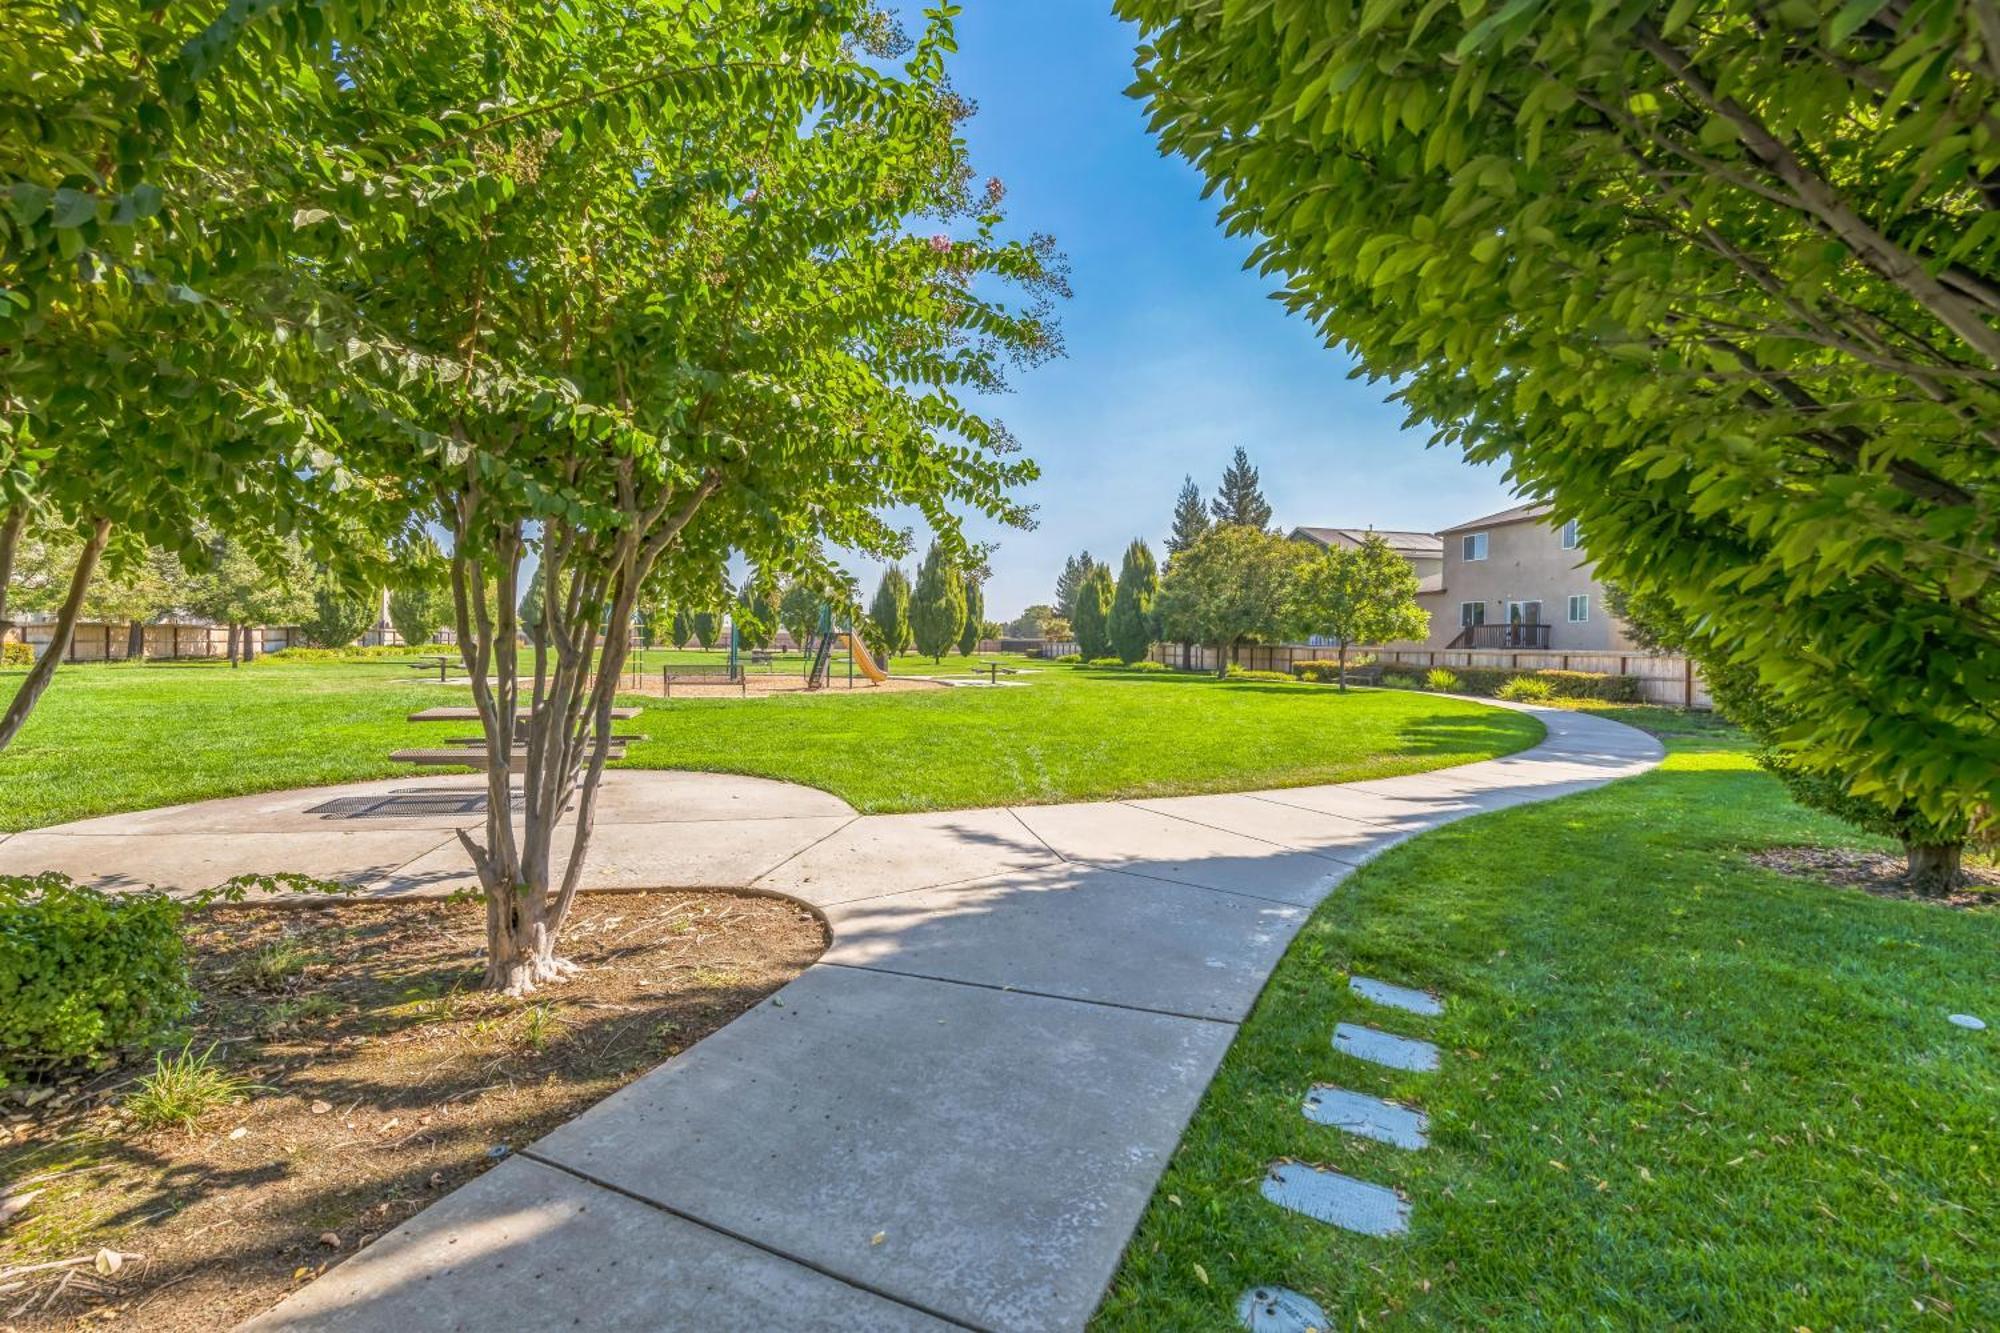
940	242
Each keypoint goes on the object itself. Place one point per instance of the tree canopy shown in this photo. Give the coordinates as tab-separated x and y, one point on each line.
1720	278
1190	518
887	630
1092	621
937	605
1357	594
1230	586
975	616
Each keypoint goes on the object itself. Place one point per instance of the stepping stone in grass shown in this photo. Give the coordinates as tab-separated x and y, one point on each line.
1341	1201
1370	1117
1396	997
1385	1048
1276	1310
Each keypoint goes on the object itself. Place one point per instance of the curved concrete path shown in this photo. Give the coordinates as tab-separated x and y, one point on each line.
952	1120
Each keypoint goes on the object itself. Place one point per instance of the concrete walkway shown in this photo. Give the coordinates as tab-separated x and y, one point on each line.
952	1120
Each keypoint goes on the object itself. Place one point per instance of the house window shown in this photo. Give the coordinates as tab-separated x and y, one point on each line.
1471	613
1474	547
1570	539
1579	608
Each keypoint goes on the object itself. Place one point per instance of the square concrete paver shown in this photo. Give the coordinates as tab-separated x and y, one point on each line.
526	1246
981	1153
195	861
1341	1201
1083	932
691	854
1385	1048
1126	837
885	854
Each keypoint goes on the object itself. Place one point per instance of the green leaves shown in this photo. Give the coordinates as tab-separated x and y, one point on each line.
1680	279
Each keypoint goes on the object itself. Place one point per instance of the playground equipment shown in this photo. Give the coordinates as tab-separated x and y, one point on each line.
819	673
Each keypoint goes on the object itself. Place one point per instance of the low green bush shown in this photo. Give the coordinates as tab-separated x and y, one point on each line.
84	973
1244	673
1527	690
16	654
1106	662
1594	685
1437	678
1326	671
1070	657
1398	680
1147	664
351	653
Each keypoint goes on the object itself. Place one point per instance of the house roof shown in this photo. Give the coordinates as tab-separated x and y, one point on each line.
1405	543
1518	514
1430	583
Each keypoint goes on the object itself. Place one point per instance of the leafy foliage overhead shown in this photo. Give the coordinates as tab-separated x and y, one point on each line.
1720	277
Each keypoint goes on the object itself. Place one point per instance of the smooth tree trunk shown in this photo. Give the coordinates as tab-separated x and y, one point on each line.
37	679
1934	868
135	641
1343	666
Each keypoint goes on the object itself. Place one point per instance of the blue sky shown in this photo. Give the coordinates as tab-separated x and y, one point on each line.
1176	353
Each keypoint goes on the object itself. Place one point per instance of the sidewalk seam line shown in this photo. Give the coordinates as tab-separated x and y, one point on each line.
1238	833
743	1239
844	824
1037	994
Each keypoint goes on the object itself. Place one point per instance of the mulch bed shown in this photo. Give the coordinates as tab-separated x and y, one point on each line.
1878	873
383	1078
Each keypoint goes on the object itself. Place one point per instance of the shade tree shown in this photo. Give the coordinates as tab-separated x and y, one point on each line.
1356	594
697	326
1232	586
1718	278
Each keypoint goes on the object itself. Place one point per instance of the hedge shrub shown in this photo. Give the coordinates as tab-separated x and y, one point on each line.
84	972
1490	682
1527	690
1115	663
1326	671
15	653
1244	673
351	653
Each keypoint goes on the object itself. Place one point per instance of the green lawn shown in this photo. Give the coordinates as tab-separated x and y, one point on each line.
1677	1090
127	737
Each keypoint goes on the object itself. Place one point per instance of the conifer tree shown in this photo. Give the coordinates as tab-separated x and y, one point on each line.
1190	518
1093	613
975	617
1133	626
937	606
1239	500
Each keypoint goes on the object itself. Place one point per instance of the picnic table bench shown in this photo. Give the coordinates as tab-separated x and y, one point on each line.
762	657
442	661
700	673
470	751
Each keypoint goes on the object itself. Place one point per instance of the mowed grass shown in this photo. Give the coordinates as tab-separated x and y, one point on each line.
1677	1090
127	737
1073	733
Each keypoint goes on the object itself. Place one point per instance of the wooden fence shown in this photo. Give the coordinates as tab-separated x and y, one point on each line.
100	641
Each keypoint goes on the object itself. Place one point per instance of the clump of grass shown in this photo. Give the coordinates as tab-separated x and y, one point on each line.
182	1089
1437	678
537	1026
274	966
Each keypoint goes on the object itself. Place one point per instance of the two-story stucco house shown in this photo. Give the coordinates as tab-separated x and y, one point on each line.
1516	580
1424	550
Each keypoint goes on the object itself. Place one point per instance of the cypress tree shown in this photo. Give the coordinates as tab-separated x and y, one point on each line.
1093	613
1132	628
975	612
888	627
1068	581
937	606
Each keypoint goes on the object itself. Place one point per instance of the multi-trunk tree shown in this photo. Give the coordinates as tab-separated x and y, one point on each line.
1720	277
691	323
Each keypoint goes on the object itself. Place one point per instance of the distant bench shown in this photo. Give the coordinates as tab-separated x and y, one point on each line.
470	751
703	673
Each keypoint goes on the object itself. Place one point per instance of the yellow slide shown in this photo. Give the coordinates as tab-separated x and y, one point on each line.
864	659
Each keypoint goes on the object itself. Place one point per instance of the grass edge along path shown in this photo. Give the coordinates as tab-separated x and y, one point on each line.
129	737
1677	1089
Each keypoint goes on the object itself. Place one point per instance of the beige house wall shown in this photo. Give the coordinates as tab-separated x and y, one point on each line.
1525	561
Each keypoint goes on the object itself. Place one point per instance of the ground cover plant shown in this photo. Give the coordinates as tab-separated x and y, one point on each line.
196	731
1677	1089
314	1105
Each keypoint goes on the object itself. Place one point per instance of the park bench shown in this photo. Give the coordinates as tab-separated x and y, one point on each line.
474	756
703	673
762	657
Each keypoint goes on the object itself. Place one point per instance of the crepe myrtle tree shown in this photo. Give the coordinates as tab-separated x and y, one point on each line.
1720	278
1231	586
1356	594
149	373
695	324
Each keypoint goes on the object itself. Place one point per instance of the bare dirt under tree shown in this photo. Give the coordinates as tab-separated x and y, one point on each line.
384	1077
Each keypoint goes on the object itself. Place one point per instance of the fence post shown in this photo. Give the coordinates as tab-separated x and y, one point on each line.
1687	682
